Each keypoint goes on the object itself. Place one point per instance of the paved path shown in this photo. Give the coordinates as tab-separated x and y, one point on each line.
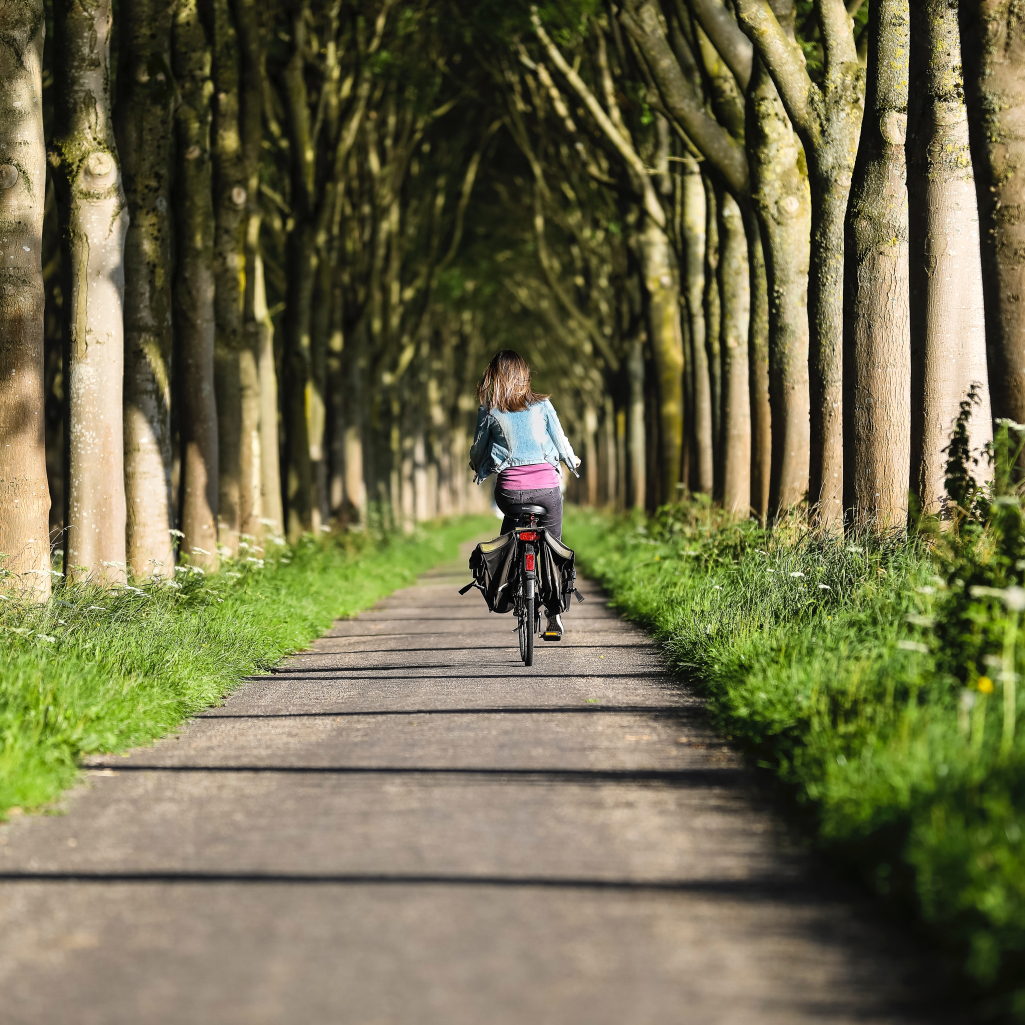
404	826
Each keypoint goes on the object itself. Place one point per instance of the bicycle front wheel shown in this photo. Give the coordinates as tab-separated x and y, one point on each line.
527	631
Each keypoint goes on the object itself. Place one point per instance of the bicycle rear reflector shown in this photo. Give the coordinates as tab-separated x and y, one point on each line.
528	535
530	562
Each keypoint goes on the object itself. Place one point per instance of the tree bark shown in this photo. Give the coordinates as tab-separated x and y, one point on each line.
713	328
229	190
94	218
194	289
635	426
948	320
694	227
302	268
758	371
783	204
144	122
877	339
24	496
255	504
591	454
993	36
735	289
270	448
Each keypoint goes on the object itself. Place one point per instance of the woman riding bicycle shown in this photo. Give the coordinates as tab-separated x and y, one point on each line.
519	437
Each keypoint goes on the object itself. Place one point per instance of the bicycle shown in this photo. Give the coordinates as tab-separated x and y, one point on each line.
528	537
522	570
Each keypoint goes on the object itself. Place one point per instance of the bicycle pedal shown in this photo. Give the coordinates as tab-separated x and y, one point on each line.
551	636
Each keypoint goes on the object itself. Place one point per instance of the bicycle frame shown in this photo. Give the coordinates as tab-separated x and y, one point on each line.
528	539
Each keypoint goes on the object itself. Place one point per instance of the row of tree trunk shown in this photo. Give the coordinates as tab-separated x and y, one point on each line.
255	259
813	267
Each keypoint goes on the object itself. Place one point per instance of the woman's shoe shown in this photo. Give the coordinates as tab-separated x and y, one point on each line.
553	631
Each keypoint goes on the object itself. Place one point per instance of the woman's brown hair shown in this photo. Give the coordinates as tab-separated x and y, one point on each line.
505	385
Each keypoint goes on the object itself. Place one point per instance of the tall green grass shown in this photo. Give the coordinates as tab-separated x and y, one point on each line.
98	670
856	671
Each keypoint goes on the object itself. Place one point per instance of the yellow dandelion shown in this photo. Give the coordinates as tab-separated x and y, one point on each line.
985	685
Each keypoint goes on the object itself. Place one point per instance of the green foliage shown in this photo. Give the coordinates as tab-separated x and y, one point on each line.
853	671
98	670
505	19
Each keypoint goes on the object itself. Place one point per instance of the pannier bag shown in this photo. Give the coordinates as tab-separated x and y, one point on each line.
496	573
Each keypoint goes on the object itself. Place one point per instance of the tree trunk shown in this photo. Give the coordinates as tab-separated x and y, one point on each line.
299	467
663	292
301	273
636	427
591	454
877	336
194	289
948	321
611	460
830	188
229	186
270	448
94	219
621	496
145	116
421	506
253	454
694	226
713	329
25	504
735	288
316	404
783	203
758	370
994	59
355	404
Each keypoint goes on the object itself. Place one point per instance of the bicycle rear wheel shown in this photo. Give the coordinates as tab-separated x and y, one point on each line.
527	631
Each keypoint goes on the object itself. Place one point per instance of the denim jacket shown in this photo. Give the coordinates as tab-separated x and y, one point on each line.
532	436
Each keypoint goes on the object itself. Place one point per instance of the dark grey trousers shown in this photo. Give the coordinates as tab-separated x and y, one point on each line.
549	498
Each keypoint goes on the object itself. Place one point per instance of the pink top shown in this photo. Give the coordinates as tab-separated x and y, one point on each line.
529	478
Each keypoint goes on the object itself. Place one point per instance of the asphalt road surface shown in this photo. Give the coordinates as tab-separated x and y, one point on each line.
405	826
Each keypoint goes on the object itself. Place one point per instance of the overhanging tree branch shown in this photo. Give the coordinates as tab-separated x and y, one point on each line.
652	207
784	62
734	47
837	37
683	105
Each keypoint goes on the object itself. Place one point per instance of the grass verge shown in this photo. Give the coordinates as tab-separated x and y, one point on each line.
856	672
104	670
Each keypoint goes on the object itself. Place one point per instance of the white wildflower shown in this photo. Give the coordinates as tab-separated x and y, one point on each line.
200	551
912	646
1013	597
797	573
825	587
176	533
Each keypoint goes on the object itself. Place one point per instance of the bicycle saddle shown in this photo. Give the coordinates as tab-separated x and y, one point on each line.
527	510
